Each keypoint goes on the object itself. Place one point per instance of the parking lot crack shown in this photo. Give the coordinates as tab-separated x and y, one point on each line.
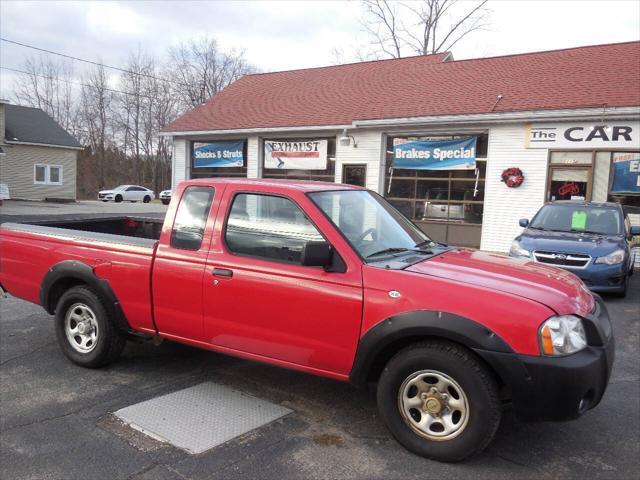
26	353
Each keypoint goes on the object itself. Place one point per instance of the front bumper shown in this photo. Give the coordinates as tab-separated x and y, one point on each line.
559	388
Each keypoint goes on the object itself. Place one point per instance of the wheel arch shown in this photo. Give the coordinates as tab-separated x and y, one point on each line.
70	273
385	339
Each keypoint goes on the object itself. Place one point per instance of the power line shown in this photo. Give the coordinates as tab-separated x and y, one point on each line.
58	79
71	57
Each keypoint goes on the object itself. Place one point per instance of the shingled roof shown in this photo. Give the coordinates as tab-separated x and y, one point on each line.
32	125
592	76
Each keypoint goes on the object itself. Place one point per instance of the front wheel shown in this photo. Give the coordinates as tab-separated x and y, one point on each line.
439	401
85	333
118	198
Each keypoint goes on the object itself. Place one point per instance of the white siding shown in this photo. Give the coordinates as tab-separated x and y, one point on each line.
179	162
368	151
253	157
504	206
17	171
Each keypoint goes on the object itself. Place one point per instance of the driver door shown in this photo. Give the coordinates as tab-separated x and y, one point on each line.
261	301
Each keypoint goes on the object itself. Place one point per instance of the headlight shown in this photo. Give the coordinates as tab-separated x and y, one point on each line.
613	258
517	250
562	335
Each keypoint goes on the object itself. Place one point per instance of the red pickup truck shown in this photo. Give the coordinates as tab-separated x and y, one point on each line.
330	280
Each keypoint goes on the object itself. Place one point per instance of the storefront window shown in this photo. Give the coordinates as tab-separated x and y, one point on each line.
218	158
319	154
441	202
570	175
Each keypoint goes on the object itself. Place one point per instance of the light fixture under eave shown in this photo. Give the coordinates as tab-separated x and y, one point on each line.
345	139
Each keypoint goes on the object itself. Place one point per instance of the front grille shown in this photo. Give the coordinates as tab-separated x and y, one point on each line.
101	195
569	260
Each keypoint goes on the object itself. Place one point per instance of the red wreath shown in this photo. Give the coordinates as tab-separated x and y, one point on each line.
513	177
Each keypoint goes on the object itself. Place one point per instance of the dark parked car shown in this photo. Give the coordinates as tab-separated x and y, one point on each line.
592	240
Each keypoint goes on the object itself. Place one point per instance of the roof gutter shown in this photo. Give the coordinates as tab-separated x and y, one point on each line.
255	130
31	144
611	113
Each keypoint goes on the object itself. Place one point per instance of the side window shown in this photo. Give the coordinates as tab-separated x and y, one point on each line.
269	227
191	219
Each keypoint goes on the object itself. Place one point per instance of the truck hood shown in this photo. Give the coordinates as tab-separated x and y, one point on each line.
558	289
570	242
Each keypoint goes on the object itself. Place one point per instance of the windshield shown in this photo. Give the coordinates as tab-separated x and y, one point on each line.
121	187
578	218
372	226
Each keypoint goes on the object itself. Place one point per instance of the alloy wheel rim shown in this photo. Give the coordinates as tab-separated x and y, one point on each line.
81	328
433	405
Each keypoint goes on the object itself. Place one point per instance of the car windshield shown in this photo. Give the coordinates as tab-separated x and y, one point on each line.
372	226
578	218
121	187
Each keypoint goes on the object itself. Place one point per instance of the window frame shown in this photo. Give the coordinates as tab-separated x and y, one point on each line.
332	158
229	251
206	219
47	174
446	181
218	172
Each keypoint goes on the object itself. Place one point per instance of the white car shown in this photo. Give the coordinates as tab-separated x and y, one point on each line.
127	193
165	197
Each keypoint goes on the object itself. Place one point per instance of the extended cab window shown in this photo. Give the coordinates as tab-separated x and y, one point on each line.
269	227
188	227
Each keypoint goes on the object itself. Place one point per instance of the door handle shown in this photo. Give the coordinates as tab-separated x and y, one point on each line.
222	272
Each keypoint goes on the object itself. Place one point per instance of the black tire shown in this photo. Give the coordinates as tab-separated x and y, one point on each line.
105	200
118	198
476	381
146	199
109	340
166	202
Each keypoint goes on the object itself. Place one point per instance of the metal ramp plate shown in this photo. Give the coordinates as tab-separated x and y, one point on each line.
200	417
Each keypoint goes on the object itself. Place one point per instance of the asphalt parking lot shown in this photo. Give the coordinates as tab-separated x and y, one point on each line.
56	419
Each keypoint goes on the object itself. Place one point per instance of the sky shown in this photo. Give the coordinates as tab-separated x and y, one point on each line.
283	35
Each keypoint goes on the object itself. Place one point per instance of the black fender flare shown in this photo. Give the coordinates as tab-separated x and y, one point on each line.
79	272
404	327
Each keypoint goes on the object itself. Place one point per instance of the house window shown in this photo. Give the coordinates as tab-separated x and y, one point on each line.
47	174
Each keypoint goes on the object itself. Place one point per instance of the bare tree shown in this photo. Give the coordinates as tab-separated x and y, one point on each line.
96	114
47	85
199	70
424	27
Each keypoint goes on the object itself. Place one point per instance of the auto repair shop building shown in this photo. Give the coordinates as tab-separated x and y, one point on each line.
437	137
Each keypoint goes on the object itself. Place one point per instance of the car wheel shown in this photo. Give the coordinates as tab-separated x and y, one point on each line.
147	199
439	401
105	201
84	330
118	198
166	202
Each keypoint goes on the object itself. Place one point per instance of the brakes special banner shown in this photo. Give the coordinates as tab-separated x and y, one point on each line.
458	154
218	154
626	172
295	154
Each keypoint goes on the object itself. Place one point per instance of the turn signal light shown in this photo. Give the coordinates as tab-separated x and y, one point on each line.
547	342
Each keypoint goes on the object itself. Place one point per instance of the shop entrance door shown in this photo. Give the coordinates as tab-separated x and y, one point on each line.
354	175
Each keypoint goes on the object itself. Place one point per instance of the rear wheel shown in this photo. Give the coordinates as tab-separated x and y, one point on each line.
85	333
439	401
118	198
146	199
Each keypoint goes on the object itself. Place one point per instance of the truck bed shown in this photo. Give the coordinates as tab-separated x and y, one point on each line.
119	249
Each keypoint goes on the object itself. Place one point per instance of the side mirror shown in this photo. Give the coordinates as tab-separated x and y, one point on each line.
524	222
316	254
635	231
